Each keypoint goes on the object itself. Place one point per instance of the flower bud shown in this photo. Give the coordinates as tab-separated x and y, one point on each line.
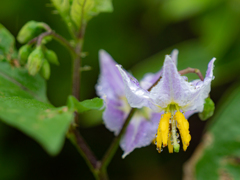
30	30
23	53
46	39
51	57
45	70
35	61
208	110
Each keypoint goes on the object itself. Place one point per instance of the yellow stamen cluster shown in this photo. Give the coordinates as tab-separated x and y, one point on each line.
167	133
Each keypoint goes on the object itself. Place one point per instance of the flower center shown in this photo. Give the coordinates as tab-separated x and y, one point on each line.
167	130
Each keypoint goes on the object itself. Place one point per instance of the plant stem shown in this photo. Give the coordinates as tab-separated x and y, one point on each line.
57	37
83	148
113	147
192	70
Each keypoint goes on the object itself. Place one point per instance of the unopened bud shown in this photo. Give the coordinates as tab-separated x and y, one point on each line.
30	30
45	70
35	61
208	110
51	56
46	39
23	53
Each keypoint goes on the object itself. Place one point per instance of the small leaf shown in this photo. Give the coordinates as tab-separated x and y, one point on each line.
208	110
84	10
7	43
86	105
41	121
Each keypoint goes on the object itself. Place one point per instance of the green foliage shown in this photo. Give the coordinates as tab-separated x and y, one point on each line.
17	82
83	10
35	60
41	121
20	96
86	105
30	30
7	43
208	110
220	154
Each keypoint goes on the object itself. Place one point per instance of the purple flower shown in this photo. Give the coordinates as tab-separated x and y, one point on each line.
143	125
173	96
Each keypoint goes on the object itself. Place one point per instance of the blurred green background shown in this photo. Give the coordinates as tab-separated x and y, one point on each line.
137	34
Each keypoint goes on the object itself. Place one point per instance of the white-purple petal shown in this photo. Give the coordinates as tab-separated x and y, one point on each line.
137	96
113	116
110	82
174	89
140	133
174	56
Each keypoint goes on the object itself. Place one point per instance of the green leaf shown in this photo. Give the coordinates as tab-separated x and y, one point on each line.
41	121
7	43
83	10
208	110
17	82
86	105
218	156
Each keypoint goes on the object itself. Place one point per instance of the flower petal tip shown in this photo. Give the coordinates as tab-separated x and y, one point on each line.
124	155
174	52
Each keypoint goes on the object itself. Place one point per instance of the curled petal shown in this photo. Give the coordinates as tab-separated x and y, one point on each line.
137	96
140	133
110	82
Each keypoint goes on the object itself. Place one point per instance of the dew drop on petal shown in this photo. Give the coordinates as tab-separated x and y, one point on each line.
177	135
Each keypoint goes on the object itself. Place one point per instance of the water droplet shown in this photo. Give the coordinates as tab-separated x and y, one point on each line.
172	143
155	143
161	149
155	135
157	149
170	121
177	135
178	141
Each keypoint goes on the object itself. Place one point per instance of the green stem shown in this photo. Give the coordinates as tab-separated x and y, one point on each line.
76	138
113	147
57	37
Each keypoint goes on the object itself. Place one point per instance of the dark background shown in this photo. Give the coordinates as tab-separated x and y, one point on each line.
137	34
